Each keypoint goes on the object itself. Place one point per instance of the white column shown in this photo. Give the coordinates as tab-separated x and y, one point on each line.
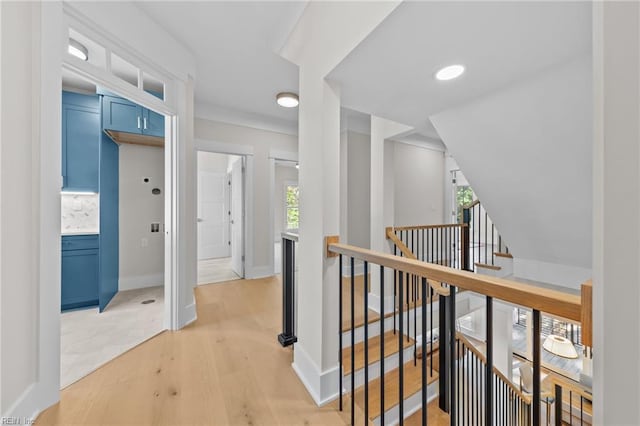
616	209
382	201
316	352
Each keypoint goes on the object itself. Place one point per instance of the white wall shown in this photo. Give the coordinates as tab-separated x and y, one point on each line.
526	151
19	188
358	189
260	145
284	174
141	252
418	185
616	207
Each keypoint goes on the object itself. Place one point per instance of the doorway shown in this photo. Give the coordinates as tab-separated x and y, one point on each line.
112	228
220	217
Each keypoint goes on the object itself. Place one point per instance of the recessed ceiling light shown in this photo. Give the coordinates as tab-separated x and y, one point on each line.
287	99
78	50
450	72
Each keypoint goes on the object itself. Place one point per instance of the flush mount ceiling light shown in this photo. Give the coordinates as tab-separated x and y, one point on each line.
287	99
450	72
78	50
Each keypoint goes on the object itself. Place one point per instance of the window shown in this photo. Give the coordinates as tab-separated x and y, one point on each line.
291	206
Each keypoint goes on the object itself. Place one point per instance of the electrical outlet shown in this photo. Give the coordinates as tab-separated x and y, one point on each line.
144	242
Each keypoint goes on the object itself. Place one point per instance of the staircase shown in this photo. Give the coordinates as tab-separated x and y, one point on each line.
393	372
382	357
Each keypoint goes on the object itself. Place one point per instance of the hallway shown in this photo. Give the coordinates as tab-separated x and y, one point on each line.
226	368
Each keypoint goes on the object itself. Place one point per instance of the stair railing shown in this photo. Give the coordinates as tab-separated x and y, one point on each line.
440	244
483	239
538	299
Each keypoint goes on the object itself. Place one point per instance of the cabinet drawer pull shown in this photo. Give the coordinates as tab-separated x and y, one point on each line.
138	122
144	120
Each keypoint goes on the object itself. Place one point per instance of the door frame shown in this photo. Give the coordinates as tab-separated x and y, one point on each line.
55	19
246	152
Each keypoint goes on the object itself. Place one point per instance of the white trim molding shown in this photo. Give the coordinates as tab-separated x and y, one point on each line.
321	385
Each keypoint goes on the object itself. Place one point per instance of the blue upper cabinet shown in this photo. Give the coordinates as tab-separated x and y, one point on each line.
153	123
121	115
80	142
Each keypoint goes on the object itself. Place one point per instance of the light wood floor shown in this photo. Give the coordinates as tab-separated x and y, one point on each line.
225	369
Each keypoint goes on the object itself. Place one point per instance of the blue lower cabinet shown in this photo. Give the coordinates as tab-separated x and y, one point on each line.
80	271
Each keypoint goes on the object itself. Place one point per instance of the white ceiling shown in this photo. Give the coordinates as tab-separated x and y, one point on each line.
234	44
391	73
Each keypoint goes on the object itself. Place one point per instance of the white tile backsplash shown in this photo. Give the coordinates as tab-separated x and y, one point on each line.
80	213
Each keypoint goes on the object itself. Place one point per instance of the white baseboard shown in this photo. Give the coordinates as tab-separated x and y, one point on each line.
551	273
258	272
27	407
322	386
140	281
374	303
189	315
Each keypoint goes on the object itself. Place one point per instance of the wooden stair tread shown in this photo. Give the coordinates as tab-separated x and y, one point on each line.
484	265
390	348
412	385
435	416
501	254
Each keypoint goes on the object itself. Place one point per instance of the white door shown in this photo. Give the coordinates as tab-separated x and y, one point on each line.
213	215
237	217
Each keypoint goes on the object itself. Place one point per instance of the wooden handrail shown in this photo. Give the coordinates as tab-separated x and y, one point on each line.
472	204
573	386
555	302
437	287
525	397
418	227
586	293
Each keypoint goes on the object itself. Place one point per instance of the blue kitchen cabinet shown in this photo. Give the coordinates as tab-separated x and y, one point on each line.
153	123
80	142
122	115
80	271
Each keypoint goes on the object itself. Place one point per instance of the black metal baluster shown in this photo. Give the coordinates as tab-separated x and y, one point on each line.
452	345
353	343
382	344
340	330
366	343
486	259
558	397
431	329
415	321
479	234
488	407
395	292
424	353
422	232
570	408
400	355
536	367
408	308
